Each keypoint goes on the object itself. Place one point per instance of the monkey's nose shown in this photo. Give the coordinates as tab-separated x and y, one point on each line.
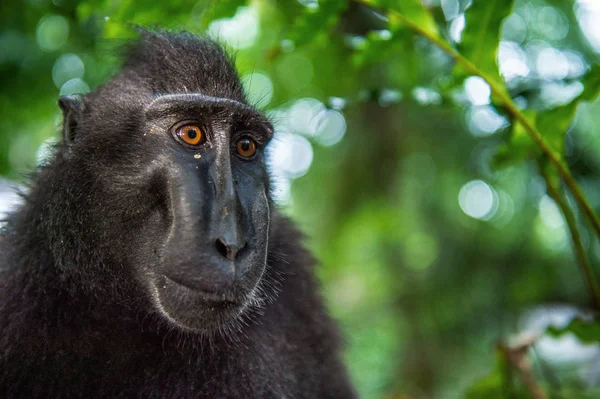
229	250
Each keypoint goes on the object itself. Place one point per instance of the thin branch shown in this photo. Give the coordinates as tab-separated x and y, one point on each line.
514	112
516	356
578	248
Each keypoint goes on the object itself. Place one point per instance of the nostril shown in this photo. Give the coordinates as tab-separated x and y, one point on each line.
222	248
229	251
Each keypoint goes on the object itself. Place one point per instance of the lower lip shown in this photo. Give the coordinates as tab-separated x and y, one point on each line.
207	296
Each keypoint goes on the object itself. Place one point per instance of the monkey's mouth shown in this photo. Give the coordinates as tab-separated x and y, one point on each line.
194	309
225	298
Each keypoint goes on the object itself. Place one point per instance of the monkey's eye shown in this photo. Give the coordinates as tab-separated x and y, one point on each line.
190	134
245	147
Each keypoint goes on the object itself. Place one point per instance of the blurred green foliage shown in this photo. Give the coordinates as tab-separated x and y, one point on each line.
417	182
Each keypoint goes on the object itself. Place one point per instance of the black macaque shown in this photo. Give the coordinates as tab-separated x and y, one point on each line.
147	259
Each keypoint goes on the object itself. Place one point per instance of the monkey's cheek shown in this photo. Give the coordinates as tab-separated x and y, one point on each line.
195	311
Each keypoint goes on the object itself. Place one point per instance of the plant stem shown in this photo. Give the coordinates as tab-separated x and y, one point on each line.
516	114
517	358
578	248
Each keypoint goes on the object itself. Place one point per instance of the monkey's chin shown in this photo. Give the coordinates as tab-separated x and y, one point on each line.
197	311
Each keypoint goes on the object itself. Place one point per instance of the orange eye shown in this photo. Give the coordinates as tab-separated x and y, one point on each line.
246	147
190	134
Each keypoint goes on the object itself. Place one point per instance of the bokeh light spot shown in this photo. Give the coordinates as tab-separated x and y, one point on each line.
450	9
512	61
588	15
383	34
290	155
456	28
67	67
506	210
337	102
300	117
310	4
240	31
514	29
355	42
478	200
329	127
259	89
52	32
577	65
483	121
552	64
288	45
426	96
552	23
478	91
550	214
389	96
558	93
74	86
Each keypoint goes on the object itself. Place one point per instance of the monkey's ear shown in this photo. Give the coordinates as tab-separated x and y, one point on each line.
72	108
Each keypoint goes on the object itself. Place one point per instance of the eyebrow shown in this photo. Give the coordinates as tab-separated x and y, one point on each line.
171	103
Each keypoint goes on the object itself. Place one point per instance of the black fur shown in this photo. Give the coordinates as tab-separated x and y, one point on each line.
76	318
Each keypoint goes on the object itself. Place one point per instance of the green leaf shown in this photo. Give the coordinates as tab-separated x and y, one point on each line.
490	387
587	331
505	381
212	9
481	36
313	22
413	10
552	124
519	145
377	49
591	84
550	173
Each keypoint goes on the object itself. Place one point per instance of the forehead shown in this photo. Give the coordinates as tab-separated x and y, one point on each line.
197	105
